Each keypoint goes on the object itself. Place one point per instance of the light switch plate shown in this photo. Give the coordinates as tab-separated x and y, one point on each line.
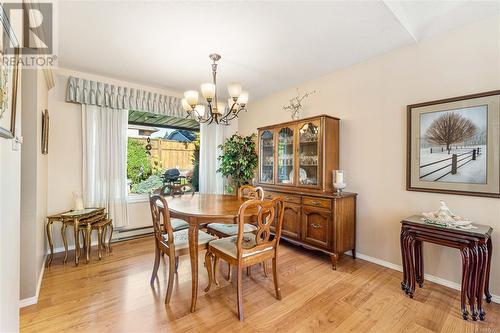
16	143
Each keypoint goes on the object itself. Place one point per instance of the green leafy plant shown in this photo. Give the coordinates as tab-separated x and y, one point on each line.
138	164
238	159
146	186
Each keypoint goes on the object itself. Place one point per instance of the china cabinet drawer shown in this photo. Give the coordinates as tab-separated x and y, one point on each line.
287	197
317	202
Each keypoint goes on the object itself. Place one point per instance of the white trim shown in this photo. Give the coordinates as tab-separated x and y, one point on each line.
33	300
70	247
134	198
432	278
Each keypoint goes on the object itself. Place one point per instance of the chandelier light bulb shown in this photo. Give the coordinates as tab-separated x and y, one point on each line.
243	99
191	97
221	107
234	90
208	91
185	105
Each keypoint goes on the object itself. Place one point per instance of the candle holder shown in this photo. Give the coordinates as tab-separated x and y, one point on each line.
338	181
339	187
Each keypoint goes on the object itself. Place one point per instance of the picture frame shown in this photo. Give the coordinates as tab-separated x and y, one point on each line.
453	145
8	96
9	73
45	132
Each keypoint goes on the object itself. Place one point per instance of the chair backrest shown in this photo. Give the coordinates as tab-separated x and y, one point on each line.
265	213
247	191
161	221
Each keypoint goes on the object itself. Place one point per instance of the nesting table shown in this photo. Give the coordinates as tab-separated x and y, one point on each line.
475	248
79	219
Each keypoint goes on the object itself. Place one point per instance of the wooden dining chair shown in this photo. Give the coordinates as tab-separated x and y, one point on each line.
170	242
222	230
247	249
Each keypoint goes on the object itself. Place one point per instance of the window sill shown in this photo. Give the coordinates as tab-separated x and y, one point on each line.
136	198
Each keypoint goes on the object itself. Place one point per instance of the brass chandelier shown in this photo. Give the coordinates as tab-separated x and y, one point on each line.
218	111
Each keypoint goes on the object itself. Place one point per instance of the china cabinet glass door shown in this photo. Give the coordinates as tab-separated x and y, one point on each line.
266	157
286	158
309	152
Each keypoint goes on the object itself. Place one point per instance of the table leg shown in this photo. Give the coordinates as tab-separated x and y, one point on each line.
193	256
88	239
408	246
419	263
483	257
49	239
464	252
488	266
404	283
410	262
76	232
473	282
65	241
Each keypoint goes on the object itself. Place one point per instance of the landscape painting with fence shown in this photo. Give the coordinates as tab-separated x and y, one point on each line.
453	145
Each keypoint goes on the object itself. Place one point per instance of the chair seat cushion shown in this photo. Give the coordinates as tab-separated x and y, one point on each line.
230	229
178	224
181	240
228	245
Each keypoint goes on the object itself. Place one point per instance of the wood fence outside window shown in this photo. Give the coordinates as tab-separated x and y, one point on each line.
172	154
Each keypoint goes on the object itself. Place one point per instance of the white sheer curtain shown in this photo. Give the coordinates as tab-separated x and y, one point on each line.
211	136
104	133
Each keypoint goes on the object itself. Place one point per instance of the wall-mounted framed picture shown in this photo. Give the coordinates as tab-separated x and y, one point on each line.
8	77
8	96
45	132
453	145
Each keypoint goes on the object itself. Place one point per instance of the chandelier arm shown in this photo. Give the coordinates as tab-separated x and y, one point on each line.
202	120
231	116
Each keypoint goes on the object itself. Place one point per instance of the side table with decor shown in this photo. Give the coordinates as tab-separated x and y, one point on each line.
80	220
475	248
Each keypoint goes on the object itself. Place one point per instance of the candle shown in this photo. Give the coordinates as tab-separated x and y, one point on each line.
338	176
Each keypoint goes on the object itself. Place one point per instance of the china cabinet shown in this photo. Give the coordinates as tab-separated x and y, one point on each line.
296	160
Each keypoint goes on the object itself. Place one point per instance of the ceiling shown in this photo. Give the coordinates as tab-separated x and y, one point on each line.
267	46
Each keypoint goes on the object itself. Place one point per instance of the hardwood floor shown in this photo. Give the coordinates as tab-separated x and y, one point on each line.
114	295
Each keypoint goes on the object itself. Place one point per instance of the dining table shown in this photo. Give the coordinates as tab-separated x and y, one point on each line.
197	210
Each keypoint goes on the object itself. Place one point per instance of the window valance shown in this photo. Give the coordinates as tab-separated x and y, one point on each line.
116	97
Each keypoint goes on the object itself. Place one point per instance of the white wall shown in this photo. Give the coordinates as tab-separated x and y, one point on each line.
34	172
371	99
65	150
10	198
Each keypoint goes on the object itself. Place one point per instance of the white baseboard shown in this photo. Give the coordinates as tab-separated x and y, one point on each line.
33	300
117	236
70	247
432	278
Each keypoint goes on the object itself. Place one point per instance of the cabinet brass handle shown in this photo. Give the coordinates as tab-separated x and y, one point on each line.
287	198
316	225
316	203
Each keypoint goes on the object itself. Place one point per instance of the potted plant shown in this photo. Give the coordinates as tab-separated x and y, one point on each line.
238	160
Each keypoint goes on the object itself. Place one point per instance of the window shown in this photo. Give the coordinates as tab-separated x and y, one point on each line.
158	143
